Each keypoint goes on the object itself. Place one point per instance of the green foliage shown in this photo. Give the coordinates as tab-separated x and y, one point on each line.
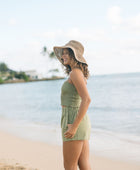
12	74
45	49
52	55
22	75
3	67
1	81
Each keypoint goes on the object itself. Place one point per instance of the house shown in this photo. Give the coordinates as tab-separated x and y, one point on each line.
32	74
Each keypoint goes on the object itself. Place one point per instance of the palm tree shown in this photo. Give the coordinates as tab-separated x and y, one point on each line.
44	51
51	55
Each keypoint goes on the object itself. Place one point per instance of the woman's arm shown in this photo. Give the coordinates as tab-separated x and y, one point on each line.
77	78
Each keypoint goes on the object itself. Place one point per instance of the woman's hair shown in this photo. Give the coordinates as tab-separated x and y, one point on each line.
82	66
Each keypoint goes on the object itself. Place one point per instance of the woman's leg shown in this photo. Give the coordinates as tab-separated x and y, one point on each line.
84	162
71	153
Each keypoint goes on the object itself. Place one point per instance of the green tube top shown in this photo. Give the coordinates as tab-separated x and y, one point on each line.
69	95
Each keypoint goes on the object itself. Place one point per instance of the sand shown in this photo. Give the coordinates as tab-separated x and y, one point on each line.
19	154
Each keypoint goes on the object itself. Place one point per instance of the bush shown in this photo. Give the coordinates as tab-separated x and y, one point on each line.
3	67
22	75
1	81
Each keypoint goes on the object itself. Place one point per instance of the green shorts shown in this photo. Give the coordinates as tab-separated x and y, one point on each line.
68	116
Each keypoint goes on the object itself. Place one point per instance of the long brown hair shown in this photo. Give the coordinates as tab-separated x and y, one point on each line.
82	66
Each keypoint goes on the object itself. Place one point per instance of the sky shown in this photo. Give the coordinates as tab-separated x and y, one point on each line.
109	31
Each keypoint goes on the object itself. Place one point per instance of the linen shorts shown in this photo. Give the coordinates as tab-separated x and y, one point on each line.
68	116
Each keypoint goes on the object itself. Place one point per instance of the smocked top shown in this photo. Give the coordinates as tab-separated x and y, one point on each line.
69	95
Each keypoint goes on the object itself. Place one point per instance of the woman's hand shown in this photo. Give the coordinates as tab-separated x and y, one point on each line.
70	132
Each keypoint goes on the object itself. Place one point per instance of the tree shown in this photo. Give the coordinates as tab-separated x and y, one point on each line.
22	75
3	67
51	55
45	51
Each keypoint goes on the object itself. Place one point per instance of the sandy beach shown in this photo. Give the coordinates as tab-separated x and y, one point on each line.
19	154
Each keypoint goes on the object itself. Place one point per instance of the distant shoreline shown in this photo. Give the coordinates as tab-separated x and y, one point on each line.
59	77
23	81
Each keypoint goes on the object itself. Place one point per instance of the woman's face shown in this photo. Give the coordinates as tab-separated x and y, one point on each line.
66	57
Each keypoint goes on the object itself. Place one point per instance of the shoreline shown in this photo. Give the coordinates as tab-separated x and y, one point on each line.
23	81
102	143
36	155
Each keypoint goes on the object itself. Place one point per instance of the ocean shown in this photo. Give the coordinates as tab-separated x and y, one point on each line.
32	110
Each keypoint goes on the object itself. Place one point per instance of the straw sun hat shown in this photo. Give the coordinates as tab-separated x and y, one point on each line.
77	48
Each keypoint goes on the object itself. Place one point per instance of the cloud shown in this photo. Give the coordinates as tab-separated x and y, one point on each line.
33	44
12	21
113	15
130	24
120	48
75	33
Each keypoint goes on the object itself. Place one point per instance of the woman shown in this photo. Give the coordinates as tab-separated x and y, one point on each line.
75	100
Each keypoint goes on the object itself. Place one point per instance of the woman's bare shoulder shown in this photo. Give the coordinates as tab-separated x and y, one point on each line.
77	73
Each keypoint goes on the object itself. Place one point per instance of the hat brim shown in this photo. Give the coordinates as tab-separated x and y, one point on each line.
58	52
